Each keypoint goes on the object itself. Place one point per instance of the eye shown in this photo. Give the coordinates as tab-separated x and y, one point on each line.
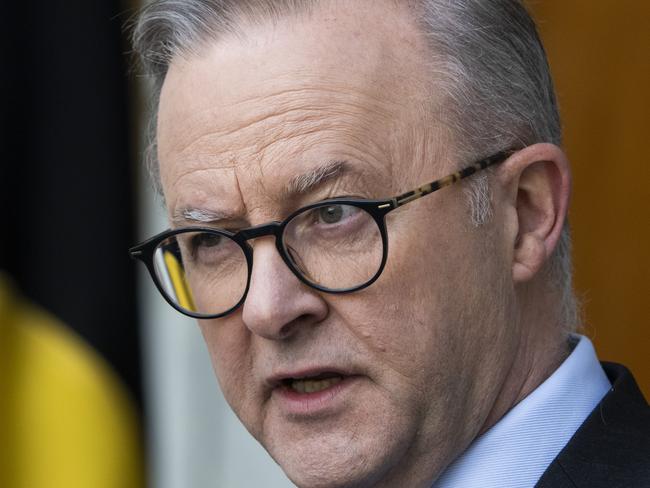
333	214
204	240
206	247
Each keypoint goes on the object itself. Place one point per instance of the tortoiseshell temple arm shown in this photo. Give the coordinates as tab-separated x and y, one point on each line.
423	190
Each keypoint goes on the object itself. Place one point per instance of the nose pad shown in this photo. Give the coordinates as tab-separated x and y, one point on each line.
278	304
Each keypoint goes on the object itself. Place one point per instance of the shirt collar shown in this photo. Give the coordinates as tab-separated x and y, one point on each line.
516	451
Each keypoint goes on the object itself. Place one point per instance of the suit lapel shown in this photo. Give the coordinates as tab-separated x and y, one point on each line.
555	477
612	447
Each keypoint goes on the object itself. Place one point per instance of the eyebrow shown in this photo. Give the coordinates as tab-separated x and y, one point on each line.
306	182
298	185
198	216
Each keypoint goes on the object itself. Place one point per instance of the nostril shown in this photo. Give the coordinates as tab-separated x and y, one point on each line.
290	328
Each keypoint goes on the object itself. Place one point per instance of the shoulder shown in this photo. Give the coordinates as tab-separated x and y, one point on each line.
612	447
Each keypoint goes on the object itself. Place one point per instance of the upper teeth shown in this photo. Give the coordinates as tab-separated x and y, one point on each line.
311	386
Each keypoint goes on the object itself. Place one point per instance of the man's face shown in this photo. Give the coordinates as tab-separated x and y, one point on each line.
414	362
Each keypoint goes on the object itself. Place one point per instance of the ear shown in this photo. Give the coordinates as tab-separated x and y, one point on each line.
537	181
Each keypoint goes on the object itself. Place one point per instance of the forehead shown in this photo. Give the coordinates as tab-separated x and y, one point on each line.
251	112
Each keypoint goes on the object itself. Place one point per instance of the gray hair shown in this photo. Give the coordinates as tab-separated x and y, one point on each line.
489	62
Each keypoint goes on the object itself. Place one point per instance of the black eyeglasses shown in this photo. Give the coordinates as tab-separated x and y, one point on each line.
335	246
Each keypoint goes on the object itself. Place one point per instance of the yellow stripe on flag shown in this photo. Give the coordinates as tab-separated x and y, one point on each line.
177	276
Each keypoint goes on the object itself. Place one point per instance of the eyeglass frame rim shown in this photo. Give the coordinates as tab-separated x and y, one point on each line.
377	208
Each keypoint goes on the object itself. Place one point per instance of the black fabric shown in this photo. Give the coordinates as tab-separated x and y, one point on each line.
66	171
612	447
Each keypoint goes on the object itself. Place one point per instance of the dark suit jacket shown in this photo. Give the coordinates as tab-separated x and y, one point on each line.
611	449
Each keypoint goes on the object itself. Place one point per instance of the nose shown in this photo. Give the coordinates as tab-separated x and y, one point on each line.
278	305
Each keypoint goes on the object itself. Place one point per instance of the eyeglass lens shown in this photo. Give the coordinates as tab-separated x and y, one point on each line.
333	246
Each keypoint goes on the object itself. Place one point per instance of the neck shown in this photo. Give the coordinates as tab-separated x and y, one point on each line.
542	348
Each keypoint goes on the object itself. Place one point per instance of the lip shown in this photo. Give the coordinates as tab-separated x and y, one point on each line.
320	403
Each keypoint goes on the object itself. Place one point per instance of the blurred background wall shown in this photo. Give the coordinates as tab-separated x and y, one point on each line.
600	57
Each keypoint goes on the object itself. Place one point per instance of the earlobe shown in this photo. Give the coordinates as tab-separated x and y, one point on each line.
539	180
529	255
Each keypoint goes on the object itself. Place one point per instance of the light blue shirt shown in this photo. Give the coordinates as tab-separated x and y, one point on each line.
516	451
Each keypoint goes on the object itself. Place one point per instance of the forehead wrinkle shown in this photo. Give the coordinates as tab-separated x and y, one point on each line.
347	135
280	117
295	85
193	170
201	153
228	117
178	179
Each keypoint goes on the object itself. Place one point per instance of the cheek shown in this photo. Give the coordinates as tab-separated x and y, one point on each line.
418	315
394	328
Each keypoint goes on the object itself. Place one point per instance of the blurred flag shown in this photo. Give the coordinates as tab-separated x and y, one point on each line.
71	375
65	419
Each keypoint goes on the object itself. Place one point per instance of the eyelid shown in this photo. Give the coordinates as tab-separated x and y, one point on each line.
345	197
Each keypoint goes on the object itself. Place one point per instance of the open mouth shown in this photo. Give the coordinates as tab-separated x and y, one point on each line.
312	384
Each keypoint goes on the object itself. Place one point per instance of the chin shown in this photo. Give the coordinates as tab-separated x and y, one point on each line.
327	470
335	460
